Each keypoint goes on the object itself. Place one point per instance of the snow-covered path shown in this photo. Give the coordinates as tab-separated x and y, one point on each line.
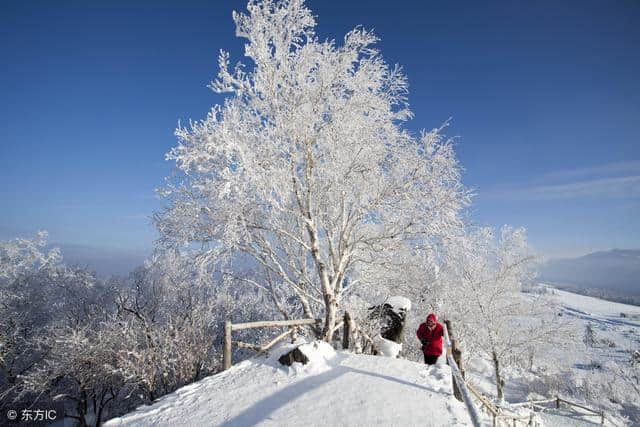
334	388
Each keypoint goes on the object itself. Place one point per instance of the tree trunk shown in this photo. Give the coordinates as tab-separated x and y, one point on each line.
346	331
499	382
330	317
329	296
226	349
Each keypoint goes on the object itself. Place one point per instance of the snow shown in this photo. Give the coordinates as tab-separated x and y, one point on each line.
387	347
400	303
594	306
346	389
565	369
333	388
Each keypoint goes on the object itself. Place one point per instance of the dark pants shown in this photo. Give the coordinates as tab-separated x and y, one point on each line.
430	360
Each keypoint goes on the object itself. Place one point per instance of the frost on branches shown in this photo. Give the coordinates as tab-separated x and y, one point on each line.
480	288
305	171
39	296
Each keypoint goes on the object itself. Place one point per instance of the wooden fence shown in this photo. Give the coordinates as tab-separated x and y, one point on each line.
558	401
458	381
498	417
230	327
352	334
497	414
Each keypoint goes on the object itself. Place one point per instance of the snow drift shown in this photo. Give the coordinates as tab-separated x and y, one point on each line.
333	388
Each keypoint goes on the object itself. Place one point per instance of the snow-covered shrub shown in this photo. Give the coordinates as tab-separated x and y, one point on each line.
174	312
589	335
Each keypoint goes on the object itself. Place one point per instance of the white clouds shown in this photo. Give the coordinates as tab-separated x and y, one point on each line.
627	187
610	169
620	180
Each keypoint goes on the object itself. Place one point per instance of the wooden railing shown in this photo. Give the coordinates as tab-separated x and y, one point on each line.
459	383
353	333
559	400
498	414
230	327
499	417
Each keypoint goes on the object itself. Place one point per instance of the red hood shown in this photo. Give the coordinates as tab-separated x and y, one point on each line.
431	317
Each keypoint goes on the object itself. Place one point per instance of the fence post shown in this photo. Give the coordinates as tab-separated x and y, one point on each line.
226	352
557	402
602	418
457	357
347	331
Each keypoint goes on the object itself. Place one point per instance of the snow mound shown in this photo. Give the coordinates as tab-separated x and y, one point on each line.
333	388
387	347
319	353
400	303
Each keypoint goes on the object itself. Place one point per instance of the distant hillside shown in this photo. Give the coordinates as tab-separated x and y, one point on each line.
615	272
104	261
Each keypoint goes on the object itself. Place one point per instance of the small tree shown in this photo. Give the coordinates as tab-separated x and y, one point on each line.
589	335
481	291
171	315
305	171
80	368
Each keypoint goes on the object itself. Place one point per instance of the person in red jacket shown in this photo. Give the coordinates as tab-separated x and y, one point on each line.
430	335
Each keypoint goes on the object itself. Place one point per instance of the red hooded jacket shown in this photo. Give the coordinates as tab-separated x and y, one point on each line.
433	337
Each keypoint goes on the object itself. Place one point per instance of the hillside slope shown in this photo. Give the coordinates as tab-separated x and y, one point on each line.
592	366
334	388
616	271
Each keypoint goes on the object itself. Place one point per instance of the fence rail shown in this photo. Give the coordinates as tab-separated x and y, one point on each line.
462	388
353	333
230	327
497	413
460	382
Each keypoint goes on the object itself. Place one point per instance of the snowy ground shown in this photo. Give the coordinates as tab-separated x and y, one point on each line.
579	370
341	388
333	389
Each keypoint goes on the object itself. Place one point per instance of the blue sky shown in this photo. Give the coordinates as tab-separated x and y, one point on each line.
544	96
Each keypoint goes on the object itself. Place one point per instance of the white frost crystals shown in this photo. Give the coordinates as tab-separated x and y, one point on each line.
305	170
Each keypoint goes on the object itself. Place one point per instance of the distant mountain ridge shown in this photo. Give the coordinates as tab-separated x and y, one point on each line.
616	271
104	261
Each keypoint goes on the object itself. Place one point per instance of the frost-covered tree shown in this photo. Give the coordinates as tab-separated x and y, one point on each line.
170	322
305	172
53	339
171	315
26	304
480	292
81	369
19	259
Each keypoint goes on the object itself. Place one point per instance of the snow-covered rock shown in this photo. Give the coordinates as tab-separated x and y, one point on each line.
399	303
387	347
